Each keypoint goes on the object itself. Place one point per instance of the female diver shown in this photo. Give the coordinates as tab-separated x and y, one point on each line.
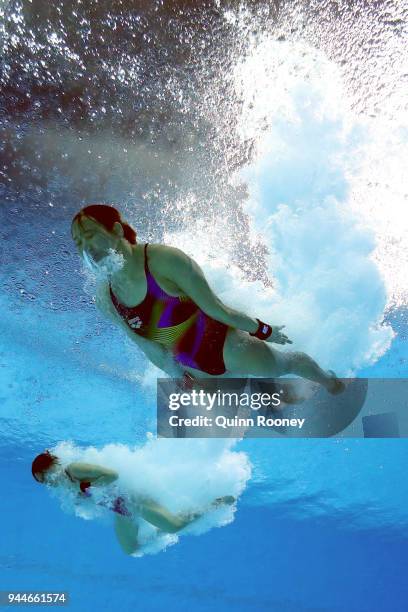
162	300
83	477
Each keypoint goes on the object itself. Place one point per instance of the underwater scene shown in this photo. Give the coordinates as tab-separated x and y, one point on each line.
258	149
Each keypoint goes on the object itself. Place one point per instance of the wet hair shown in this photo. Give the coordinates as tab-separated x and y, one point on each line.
42	463
106	216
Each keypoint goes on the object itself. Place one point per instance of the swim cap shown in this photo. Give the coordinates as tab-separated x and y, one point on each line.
42	463
106	216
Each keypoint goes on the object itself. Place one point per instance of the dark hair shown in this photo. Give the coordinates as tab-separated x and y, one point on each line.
106	216
42	463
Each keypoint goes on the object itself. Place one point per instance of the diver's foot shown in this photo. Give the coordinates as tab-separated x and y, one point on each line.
290	396
334	385
226	500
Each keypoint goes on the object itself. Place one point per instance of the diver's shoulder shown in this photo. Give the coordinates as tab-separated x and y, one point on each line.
162	253
163	249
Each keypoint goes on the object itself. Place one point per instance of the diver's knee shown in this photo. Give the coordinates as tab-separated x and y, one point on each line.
295	359
288	362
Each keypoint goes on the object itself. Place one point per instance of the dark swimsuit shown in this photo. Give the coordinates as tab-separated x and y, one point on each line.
195	339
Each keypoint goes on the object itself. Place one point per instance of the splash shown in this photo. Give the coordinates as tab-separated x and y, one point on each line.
182	475
96	274
327	287
328	290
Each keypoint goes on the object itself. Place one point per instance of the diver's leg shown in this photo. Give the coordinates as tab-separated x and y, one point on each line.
161	518
246	355
126	533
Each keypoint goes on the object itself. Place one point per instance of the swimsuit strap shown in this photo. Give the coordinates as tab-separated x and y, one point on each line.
146	267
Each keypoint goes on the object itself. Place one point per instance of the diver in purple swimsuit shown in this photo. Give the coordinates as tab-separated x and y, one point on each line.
159	296
178	323
47	468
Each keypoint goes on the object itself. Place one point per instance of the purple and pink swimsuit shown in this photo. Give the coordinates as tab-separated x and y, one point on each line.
195	339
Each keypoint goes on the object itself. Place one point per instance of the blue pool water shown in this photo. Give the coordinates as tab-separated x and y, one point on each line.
322	525
250	136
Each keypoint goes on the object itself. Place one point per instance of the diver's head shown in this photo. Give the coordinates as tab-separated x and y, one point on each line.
98	231
45	466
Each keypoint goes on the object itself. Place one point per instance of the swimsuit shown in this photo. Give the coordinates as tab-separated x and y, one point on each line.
118	505
195	339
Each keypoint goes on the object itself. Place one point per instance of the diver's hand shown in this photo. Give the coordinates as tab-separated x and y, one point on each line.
277	336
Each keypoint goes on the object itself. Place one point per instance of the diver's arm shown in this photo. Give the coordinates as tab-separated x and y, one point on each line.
187	274
95	474
156	353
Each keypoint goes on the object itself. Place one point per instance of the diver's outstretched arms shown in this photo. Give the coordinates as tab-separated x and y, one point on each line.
246	355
